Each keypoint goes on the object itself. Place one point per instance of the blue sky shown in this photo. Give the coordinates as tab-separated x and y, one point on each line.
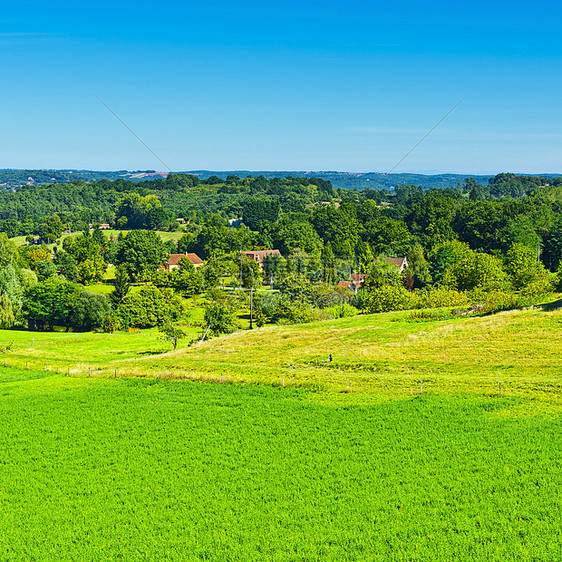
289	85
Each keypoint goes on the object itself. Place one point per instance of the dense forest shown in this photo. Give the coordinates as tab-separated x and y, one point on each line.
464	245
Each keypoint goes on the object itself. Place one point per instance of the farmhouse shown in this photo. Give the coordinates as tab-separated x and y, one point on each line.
400	263
358	279
174	261
258	255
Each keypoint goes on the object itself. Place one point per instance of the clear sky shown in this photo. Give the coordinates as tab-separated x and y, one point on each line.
292	85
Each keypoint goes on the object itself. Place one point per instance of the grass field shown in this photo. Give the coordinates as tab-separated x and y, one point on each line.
164	234
161	467
145	469
378	356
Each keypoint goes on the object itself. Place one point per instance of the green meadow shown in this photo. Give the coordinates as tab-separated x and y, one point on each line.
254	446
374	357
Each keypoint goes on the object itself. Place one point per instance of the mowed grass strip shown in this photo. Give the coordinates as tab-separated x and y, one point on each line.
146	469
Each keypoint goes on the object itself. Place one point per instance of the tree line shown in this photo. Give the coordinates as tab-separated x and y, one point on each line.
464	245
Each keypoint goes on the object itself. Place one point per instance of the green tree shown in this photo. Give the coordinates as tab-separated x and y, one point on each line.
445	256
50	302
88	312
418	266
273	265
121	285
524	269
478	271
552	253
8	251
171	332
7	316
135	211
141	251
150	307
51	228
329	274
66	265
90	270
249	272
220	318
382	274
384	298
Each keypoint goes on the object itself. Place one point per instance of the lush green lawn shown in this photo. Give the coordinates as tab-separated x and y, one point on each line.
146	469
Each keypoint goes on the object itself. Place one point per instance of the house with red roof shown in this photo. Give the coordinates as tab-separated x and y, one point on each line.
258	255
358	279
174	261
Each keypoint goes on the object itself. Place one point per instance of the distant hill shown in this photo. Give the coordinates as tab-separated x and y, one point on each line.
12	179
351	180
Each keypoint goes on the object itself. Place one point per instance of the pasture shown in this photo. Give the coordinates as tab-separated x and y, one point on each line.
146	469
254	446
374	357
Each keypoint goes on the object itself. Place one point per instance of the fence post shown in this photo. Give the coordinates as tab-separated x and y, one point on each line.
421	386
89	371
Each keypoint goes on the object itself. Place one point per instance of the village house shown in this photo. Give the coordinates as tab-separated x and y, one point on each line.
174	261
103	226
400	263
358	279
258	255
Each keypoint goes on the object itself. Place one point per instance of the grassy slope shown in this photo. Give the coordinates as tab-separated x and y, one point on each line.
382	355
136	469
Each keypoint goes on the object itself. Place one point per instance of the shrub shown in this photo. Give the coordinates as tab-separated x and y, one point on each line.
343	310
294	313
388	297
429	315
439	296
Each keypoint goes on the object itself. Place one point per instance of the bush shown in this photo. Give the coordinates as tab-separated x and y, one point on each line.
429	315
343	310
361	300
388	297
294	313
439	296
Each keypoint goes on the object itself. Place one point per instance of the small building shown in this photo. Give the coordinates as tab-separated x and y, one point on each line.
358	279
180	220
258	255
102	226
400	263
356	283
234	222
174	261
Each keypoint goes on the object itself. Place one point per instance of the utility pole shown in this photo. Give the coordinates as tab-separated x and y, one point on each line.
251	307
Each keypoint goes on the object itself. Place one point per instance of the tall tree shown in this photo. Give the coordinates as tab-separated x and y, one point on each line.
140	251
